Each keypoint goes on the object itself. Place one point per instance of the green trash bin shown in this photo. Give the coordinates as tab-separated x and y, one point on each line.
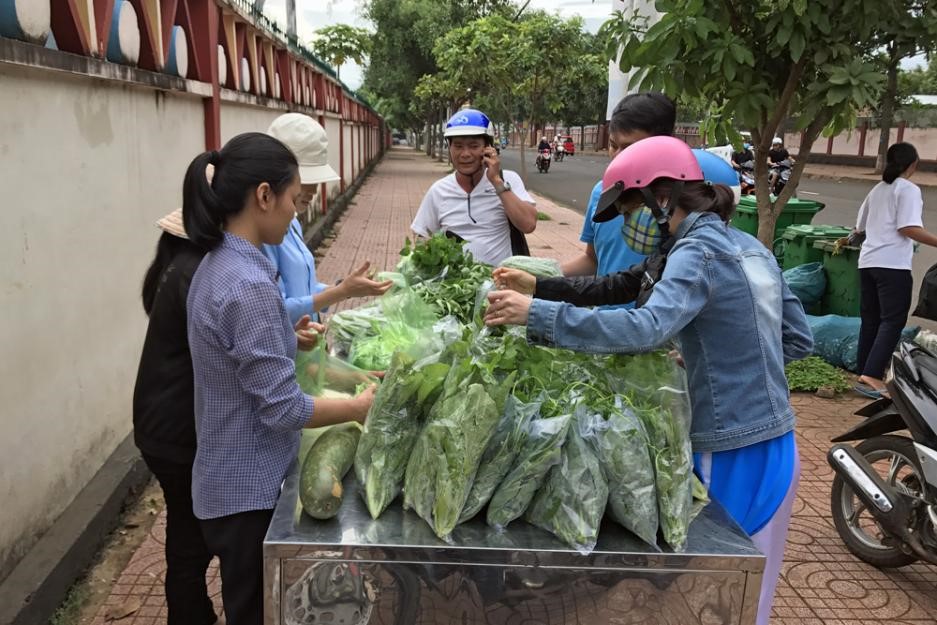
796	211
842	279
798	240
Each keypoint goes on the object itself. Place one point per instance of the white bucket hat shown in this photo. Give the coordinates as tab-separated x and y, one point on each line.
306	138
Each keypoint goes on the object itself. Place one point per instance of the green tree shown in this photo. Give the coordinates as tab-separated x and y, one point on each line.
584	93
907	28
918	81
403	52
513	69
757	67
340	43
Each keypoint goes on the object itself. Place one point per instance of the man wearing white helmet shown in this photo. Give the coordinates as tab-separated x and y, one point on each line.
478	202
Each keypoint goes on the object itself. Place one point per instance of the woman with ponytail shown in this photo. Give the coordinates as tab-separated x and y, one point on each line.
249	410
891	219
164	419
721	297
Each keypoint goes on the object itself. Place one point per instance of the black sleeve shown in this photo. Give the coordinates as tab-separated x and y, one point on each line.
619	288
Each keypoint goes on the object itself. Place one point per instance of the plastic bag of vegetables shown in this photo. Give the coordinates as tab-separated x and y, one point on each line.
540	267
541	451
620	442
411	385
506	442
655	389
444	461
406	317
321	375
460	425
356	323
572	500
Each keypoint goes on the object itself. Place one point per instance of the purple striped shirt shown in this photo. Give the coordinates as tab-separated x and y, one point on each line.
248	408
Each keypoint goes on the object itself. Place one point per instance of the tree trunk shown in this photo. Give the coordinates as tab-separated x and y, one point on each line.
520	132
442	152
768	211
887	111
430	137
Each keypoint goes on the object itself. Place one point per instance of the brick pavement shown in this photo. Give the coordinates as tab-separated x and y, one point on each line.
822	584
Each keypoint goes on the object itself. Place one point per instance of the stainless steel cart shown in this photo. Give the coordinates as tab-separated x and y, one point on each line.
352	570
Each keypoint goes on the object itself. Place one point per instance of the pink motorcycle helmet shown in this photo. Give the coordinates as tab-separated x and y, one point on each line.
640	164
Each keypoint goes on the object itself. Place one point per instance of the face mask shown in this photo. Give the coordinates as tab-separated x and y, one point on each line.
747	146
641	231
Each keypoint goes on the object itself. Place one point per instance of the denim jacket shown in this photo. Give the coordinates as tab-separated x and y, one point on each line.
737	323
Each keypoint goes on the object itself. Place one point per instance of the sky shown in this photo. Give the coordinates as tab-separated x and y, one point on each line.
314	14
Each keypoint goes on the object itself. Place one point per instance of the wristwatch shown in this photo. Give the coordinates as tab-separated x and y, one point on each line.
504	188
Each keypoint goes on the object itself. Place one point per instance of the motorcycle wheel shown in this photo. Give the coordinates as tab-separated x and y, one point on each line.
894	458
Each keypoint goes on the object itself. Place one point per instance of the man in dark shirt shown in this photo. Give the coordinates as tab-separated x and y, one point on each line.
743	156
776	155
778	152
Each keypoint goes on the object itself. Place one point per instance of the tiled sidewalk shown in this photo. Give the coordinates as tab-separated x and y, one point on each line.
822	583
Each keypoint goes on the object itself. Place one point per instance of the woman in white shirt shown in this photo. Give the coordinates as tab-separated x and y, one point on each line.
891	218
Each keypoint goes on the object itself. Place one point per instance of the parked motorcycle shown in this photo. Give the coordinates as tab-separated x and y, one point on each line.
784	171
747	177
884	493
543	161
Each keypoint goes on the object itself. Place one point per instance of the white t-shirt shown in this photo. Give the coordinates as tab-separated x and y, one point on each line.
478	217
886	209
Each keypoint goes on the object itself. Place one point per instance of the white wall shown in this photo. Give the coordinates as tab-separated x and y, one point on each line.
237	118
86	166
332	130
346	156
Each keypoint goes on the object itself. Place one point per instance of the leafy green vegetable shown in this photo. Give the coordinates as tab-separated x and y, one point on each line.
541	451
541	267
499	456
572	501
813	373
346	326
620	442
654	387
392	427
443	465
433	257
455	294
405	319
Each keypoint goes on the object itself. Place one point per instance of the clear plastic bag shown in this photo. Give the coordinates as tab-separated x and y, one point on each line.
445	459
572	500
320	374
654	387
541	451
410	387
503	448
405	317
540	267
620	442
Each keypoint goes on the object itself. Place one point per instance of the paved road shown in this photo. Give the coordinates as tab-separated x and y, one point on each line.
571	181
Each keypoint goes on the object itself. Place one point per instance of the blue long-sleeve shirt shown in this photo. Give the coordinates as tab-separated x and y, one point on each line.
297	273
248	407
